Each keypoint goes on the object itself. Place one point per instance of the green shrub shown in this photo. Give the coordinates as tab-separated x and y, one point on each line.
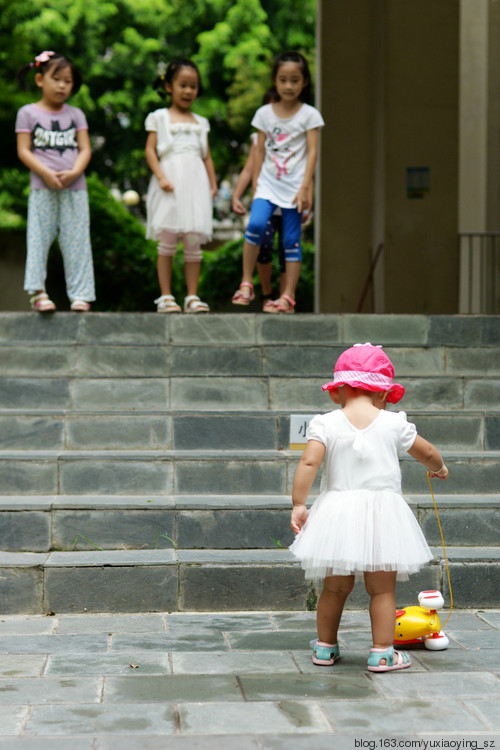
221	274
14	190
125	261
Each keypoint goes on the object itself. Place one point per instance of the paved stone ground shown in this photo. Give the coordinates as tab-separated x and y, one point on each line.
238	680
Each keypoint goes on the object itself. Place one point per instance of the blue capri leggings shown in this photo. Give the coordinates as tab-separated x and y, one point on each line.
260	214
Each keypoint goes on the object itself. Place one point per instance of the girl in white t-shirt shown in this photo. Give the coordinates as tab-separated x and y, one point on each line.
360	525
286	153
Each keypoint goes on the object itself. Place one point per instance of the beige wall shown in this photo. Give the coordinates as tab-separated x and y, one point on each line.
389	96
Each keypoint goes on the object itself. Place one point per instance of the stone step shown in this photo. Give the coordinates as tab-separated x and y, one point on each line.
191	472
273	360
209	580
231	393
172	430
79	522
137	433
150	329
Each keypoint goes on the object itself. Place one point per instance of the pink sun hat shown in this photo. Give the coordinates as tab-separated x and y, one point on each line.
368	367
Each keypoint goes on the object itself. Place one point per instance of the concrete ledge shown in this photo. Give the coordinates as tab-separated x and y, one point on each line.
250	328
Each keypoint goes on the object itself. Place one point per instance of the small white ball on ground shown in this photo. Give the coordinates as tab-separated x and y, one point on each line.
130	198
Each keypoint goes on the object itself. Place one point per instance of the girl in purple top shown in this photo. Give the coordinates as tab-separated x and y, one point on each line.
53	142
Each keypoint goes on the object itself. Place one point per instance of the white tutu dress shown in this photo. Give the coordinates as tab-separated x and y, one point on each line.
181	148
360	521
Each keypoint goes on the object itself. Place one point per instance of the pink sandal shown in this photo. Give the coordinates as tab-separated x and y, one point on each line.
42	303
268	305
239	298
280	307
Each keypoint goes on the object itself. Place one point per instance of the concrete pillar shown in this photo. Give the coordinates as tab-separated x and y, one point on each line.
479	172
389	96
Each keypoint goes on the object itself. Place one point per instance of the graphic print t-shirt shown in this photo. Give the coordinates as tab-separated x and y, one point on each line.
53	139
286	152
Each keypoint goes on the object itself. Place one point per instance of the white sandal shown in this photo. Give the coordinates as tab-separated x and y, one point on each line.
193	304
167	304
79	305
42	303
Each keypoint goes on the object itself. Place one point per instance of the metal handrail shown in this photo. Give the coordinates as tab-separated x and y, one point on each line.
479	258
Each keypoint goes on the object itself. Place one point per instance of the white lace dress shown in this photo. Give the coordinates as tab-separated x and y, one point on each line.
360	521
181	148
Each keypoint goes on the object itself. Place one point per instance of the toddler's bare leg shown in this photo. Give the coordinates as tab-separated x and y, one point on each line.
381	588
336	589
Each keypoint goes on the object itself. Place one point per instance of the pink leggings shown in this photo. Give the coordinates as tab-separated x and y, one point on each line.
192	245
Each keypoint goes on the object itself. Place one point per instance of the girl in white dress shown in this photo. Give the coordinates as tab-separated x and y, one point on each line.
360	525
180	194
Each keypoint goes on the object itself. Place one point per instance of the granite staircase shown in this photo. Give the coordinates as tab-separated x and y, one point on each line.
145	462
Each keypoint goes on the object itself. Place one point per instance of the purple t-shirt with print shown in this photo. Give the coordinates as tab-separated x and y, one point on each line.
53	139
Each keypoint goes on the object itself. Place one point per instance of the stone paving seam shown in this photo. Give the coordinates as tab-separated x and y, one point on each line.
468	708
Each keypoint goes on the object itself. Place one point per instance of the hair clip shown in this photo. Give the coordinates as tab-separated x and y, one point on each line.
44	57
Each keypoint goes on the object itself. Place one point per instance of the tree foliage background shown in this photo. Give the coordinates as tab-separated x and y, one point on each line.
119	47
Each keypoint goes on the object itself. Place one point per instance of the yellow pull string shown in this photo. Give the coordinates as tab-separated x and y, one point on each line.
444	550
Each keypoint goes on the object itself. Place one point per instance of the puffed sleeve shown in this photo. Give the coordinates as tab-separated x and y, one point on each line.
314	119
407	432
81	120
316	429
259	118
23	120
151	124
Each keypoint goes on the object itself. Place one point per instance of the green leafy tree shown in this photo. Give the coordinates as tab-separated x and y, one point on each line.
119	45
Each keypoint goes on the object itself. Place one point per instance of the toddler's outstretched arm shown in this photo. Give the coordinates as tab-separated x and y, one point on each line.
305	475
430	457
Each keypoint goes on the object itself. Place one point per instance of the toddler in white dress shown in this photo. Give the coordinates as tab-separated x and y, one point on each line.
360	525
